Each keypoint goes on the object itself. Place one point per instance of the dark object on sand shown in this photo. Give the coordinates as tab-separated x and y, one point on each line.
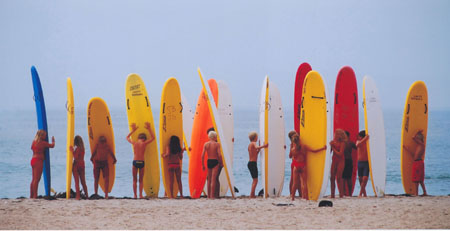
95	197
283	204
325	203
261	193
236	190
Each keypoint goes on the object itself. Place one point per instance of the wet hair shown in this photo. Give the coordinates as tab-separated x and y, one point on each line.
212	134
296	140
39	134
348	134
362	133
340	135
420	136
174	145
78	141
142	136
210	129
291	134
252	136
102	139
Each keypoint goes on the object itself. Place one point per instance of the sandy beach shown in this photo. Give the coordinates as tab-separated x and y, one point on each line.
391	212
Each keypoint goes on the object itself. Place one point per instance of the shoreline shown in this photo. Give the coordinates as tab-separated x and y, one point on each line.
390	212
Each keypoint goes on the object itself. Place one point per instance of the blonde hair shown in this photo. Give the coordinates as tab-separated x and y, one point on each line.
39	134
291	134
252	135
212	134
340	135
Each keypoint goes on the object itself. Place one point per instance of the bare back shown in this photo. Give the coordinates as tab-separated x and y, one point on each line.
213	149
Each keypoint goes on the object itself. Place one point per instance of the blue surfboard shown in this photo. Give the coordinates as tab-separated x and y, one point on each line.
42	124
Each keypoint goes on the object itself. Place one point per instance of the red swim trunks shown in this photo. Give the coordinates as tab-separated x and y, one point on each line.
36	160
418	171
299	165
173	166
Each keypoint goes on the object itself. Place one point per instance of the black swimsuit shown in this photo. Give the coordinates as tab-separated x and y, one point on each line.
138	164
212	163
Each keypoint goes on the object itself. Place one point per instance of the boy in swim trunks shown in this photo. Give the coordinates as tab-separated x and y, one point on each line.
138	159
100	160
418	167
217	191
253	151
348	168
363	162
214	160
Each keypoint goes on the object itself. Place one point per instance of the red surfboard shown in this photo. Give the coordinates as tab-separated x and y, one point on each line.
302	70
346	115
202	122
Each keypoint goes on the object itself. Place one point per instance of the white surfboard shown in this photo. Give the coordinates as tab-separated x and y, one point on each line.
225	108
221	137
188	121
376	146
271	126
327	169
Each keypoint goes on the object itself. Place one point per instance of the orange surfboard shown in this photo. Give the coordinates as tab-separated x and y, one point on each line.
202	122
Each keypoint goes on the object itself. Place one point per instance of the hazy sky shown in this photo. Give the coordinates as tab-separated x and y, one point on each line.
98	43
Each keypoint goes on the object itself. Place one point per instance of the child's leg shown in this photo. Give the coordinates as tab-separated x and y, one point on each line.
76	177
180	185
254	183
37	172
217	189
141	181
105	171
96	177
134	172
422	184
303	185
83	182
339	171
360	179
416	185
333	178
291	181
171	173
294	184
208	182
364	184
214	181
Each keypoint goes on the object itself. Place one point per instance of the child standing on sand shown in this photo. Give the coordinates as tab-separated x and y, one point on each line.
363	162
100	160
298	155
418	167
348	168
78	166
37	161
214	161
337	165
139	156
253	151
290	134
174	153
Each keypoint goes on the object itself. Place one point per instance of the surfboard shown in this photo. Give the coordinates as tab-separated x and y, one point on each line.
99	124
225	108
221	137
188	121
70	135
314	126
415	118
346	115
170	124
202	123
139	111
271	127
42	125
302	70
376	147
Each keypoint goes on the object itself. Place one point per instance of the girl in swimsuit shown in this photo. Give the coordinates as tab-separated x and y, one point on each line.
174	153
78	166
298	155
337	165
37	161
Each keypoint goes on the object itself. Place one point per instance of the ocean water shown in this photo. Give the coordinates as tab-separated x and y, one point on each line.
17	130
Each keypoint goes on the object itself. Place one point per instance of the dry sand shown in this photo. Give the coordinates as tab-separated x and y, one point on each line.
391	212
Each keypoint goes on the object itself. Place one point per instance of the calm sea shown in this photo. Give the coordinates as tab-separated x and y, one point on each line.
17	130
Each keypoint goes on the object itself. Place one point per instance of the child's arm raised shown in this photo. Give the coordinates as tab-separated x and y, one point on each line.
152	136
134	128
360	142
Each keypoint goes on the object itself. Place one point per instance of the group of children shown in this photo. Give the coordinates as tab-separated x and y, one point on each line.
341	167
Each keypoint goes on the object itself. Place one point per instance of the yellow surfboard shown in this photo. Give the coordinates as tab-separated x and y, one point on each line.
99	124
70	134
139	111
170	124
415	118
313	127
